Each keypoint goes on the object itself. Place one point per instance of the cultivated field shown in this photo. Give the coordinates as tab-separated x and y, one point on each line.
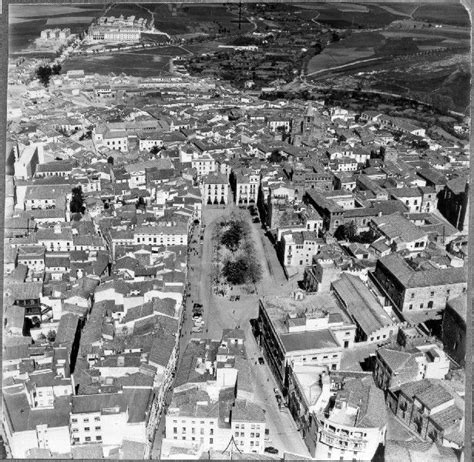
453	14
340	16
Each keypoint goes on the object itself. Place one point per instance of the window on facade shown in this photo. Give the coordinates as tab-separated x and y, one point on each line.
211	440
88	438
98	438
87	429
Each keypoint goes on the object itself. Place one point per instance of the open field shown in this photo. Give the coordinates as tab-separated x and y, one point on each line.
183	18
337	57
371	17
62	20
402	9
454	14
27	21
43	11
142	63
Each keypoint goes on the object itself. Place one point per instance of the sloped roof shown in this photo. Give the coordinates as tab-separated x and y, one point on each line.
361	303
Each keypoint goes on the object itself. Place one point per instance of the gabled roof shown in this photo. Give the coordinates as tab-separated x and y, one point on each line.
397	360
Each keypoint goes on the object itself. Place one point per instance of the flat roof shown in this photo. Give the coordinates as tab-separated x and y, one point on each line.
308	340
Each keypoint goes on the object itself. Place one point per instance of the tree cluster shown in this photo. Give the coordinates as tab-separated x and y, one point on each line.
242	267
233	236
77	201
44	73
348	232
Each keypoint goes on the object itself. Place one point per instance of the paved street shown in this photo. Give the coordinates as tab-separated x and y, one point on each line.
283	431
220	313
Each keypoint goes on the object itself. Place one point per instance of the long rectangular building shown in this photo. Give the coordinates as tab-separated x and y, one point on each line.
303	329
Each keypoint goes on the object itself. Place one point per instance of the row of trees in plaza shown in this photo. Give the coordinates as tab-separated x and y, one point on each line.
241	265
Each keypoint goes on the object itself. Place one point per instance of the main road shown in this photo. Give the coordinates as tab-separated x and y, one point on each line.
220	313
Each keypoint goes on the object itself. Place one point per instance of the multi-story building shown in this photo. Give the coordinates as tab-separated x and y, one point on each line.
198	421
411	290
297	248
113	139
246	185
399	233
27	428
108	418
453	328
327	266
453	202
420	199
206	413
331	212
26	159
248	427
147	141
215	189
303	330
432	409
204	164
394	367
374	324
354	423
31	256
46	197
159	236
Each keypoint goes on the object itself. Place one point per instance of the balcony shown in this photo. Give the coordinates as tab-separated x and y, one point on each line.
337	441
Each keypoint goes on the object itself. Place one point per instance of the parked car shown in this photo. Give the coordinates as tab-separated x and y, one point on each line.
271	450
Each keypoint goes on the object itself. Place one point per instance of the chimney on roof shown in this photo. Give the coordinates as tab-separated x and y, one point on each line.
120	361
57	228
298	295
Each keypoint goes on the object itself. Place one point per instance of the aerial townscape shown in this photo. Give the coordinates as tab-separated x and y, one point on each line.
227	239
